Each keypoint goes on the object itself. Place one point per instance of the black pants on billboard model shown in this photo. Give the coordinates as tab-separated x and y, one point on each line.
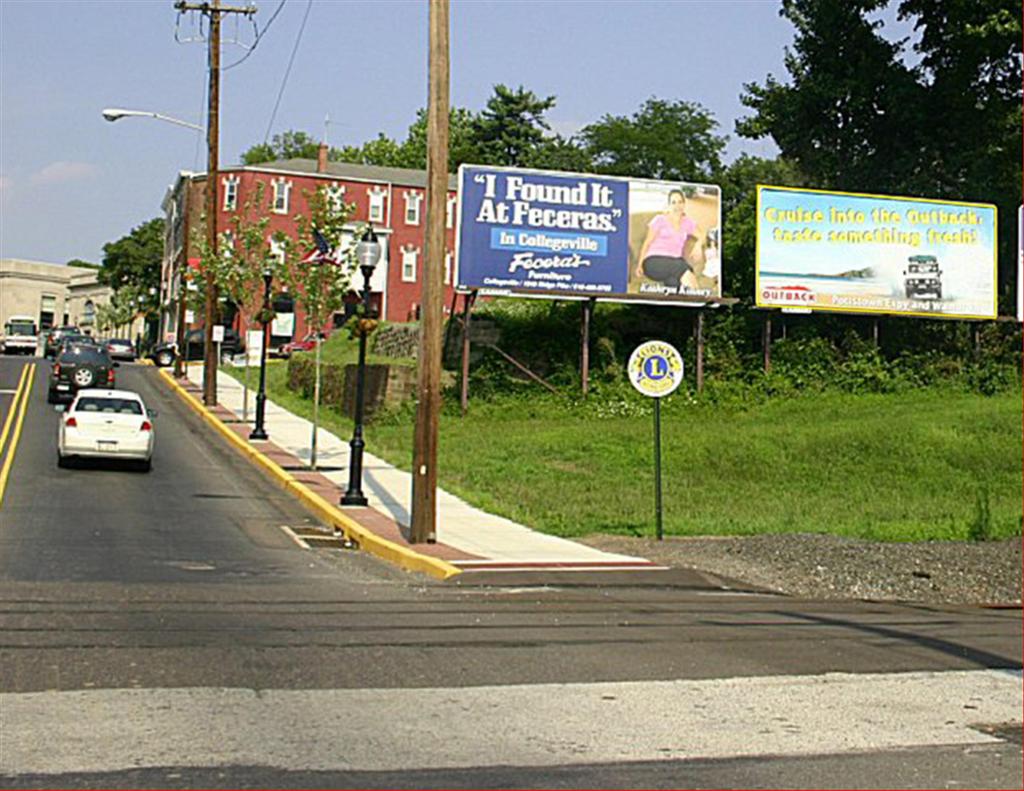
666	270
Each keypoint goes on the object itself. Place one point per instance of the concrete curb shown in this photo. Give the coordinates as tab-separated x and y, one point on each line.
366	540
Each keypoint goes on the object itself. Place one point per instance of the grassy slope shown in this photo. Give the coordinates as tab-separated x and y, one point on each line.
898	467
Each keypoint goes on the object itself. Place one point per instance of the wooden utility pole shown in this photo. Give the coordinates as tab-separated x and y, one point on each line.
428	390
213	10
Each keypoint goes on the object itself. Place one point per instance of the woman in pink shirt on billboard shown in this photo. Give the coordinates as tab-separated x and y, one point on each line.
664	255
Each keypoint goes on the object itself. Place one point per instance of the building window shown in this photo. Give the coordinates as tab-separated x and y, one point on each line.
277	249
227	243
230	193
47	311
450	212
377	204
409	256
447	268
282	188
89	312
336	198
412	208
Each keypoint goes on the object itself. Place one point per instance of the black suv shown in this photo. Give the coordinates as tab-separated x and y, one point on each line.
78	367
163	354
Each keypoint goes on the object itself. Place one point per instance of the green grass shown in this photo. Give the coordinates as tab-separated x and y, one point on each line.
925	465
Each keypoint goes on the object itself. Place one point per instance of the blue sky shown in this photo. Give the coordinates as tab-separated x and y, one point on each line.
69	181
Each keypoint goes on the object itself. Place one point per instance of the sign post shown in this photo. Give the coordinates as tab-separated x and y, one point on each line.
655	369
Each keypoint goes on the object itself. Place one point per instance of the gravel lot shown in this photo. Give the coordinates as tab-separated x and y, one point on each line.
827	567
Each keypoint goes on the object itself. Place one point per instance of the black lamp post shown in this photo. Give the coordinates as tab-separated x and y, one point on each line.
259	430
367	253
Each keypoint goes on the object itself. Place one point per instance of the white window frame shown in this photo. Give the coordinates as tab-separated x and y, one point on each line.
230	192
277	249
413	201
282	193
447	268
336	197
375	212
409	256
449	221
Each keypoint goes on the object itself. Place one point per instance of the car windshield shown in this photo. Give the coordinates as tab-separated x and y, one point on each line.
21	328
120	406
89	355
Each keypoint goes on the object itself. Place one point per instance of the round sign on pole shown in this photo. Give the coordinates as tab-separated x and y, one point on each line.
655	368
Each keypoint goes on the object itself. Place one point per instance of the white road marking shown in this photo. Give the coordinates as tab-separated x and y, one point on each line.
524	725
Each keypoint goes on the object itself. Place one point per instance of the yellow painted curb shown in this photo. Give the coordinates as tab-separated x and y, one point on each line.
366	540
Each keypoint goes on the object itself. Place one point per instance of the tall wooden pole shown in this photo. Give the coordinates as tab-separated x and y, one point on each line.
588	310
428	405
212	141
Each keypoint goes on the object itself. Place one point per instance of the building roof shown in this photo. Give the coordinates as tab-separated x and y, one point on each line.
406	177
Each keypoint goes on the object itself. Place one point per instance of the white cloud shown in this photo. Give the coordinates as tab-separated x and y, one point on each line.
60	172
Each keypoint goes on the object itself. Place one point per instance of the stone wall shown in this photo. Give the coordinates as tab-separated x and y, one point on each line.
386	385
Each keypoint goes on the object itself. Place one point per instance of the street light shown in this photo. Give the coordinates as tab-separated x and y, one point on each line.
116	113
259	430
367	253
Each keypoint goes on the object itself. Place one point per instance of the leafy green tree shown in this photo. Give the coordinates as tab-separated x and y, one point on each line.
511	126
739	216
79	263
672	141
134	260
320	286
287	145
463	146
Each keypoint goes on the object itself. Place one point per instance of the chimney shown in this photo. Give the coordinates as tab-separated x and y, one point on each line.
321	158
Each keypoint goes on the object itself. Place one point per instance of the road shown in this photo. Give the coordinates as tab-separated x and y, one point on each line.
162	630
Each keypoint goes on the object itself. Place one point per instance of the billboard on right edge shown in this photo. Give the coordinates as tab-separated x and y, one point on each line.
841	251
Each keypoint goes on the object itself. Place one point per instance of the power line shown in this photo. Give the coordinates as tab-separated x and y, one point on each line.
284	81
259	35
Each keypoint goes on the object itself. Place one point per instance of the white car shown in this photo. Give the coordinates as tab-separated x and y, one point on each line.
107	424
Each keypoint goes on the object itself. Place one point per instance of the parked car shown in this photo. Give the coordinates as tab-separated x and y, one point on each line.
80	367
107	424
286	350
163	354
54	338
121	349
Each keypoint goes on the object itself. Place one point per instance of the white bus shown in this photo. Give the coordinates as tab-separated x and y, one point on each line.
20	335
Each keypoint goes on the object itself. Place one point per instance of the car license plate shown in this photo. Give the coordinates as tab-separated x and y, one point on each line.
63	387
106	444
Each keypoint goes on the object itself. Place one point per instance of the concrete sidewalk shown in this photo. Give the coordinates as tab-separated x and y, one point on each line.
467	537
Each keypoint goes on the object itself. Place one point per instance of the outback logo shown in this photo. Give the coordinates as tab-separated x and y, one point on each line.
788	294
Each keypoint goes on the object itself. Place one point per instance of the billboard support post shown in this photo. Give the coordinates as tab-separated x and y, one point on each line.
467	307
699	331
588	310
874	331
767	343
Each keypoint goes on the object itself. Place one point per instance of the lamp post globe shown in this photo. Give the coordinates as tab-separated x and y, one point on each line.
368	251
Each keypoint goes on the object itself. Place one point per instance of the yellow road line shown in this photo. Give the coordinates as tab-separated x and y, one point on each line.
14	408
367	540
6	471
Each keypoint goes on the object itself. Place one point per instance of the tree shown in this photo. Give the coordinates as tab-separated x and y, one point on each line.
463	146
671	141
79	263
243	254
320	286
511	126
134	261
287	145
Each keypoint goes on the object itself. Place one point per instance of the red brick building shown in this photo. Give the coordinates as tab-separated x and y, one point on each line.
392	200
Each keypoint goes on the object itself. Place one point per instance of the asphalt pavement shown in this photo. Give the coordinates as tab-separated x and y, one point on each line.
161	630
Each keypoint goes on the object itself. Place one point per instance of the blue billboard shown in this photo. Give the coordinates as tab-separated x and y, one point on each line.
571	235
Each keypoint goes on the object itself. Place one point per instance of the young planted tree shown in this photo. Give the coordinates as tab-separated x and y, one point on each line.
243	255
320	282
